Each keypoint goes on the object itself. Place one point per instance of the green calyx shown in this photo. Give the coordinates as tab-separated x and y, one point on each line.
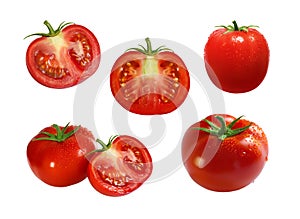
224	131
149	51
60	135
104	147
52	32
235	27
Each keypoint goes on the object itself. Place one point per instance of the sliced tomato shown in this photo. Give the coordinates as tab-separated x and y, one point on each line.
63	57
149	81
120	167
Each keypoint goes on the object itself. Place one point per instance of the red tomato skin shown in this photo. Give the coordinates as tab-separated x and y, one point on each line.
237	61
60	164
98	158
232	163
150	103
60	46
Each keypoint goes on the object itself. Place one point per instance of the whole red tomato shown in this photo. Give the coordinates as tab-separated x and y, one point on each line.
222	153
236	58
119	167
57	155
147	81
63	57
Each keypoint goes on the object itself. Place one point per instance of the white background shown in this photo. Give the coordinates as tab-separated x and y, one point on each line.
27	107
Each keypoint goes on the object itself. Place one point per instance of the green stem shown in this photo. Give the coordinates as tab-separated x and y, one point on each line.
149	51
236	27
104	147
60	135
149	46
52	32
224	131
50	28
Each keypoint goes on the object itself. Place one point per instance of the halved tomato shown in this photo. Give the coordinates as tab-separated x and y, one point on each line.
63	57
119	167
147	81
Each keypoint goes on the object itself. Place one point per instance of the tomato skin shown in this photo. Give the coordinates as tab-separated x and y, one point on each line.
158	89
226	165
236	61
64	163
109	170
59	54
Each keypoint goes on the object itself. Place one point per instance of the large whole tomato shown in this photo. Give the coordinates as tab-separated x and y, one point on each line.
63	57
146	81
222	153
57	155
119	167
236	58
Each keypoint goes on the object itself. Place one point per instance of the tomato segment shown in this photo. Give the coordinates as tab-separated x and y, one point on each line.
149	81
120	167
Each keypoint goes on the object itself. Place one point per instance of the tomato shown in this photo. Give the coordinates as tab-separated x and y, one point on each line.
57	155
63	57
222	153
119	167
148	82
236	58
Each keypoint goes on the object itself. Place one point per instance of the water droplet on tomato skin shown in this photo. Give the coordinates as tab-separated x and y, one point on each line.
243	153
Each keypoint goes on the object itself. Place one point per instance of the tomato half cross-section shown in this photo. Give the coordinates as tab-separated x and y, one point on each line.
63	57
147	81
120	166
236	58
223	153
58	155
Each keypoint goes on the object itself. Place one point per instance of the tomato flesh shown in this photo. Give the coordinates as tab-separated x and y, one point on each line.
122	168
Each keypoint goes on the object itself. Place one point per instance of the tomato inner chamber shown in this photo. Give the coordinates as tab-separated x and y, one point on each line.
113	177
164	83
81	51
48	65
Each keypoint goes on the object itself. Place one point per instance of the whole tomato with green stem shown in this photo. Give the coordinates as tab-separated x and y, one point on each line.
58	155
223	153
149	81
236	58
63	57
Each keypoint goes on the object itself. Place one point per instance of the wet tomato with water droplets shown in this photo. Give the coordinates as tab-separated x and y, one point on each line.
63	57
223	153
147	82
58	155
236	58
120	166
